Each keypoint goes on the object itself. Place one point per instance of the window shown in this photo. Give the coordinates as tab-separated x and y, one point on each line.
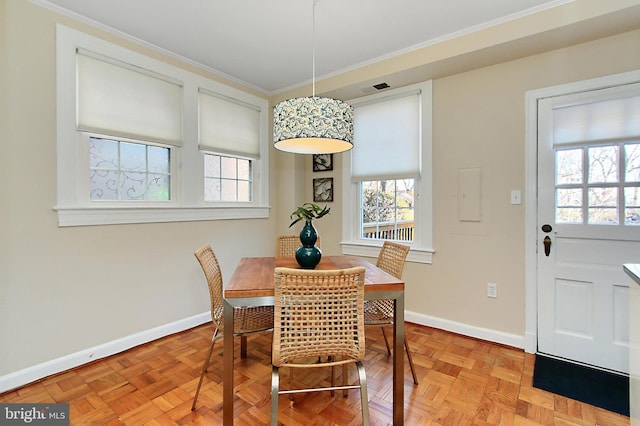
230	128
227	178
388	193
387	210
140	140
597	158
121	170
605	192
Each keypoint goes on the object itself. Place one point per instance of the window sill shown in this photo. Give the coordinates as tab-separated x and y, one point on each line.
86	216
416	254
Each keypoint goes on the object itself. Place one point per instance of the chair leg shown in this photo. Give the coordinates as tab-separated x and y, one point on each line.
386	341
345	376
205	365
364	396
333	373
243	347
333	377
275	384
413	370
291	383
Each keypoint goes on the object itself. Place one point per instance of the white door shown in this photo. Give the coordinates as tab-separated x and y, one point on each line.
589	215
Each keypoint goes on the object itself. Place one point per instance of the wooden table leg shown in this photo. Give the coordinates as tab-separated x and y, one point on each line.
227	380
398	361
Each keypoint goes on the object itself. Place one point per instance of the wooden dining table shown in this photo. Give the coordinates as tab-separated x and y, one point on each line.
252	284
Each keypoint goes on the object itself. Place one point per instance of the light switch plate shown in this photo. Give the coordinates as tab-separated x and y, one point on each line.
516	196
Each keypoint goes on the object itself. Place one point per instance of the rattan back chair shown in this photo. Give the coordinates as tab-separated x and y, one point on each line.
246	320
391	259
318	316
286	245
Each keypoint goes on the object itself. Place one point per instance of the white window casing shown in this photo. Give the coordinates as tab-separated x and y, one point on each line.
393	140
74	208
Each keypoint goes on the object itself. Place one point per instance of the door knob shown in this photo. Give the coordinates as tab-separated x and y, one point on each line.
547	245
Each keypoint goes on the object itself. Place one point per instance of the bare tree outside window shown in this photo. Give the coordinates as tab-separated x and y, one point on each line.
598	185
388	209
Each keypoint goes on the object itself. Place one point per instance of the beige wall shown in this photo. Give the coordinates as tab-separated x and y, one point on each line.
479	122
64	290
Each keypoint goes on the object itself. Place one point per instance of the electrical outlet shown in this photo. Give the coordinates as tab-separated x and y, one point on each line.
492	290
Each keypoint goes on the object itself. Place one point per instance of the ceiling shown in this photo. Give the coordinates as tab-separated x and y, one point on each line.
269	44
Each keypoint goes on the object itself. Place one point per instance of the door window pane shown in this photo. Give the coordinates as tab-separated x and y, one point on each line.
569	205
603	164
632	162
610	184
632	206
569	166
603	206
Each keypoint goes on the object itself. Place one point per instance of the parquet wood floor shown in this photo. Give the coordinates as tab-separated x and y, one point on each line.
463	381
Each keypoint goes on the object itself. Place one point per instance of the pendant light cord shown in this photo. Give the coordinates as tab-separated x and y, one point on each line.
313	50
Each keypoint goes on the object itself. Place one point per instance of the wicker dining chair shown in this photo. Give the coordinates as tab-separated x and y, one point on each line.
246	320
318	316
286	245
391	259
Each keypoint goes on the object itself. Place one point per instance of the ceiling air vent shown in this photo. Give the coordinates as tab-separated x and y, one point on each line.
381	86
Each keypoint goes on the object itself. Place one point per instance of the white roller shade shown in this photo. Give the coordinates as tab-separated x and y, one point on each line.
387	136
601	121
119	100
228	126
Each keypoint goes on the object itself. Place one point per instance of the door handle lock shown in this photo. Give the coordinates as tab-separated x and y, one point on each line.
547	245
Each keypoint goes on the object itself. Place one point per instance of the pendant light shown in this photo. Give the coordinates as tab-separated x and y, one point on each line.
313	125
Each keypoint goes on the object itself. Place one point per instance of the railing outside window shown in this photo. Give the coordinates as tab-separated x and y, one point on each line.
399	231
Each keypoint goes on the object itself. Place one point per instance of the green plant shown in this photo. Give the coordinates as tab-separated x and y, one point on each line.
308	211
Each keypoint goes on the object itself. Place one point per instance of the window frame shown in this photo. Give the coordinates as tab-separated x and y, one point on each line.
84	174
422	246
187	162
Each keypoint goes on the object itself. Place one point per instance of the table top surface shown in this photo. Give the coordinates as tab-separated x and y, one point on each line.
253	276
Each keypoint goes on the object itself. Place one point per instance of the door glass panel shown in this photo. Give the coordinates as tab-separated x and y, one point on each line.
632	162
569	166
603	206
603	164
632	206
569	205
603	191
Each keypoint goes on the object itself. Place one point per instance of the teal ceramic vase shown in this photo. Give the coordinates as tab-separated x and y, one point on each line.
308	255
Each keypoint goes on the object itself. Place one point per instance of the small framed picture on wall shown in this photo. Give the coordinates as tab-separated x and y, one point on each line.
323	189
322	162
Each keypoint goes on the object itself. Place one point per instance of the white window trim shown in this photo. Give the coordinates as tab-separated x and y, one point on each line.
422	247
187	179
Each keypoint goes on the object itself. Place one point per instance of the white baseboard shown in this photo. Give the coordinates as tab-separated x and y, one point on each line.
530	342
466	329
37	372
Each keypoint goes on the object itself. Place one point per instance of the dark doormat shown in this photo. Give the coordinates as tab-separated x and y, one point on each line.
592	386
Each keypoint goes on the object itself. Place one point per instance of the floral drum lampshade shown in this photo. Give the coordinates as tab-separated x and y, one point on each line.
313	125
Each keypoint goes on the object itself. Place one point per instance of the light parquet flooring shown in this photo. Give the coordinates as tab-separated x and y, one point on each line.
463	381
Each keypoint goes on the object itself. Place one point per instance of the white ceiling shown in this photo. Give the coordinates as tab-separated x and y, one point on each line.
268	44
